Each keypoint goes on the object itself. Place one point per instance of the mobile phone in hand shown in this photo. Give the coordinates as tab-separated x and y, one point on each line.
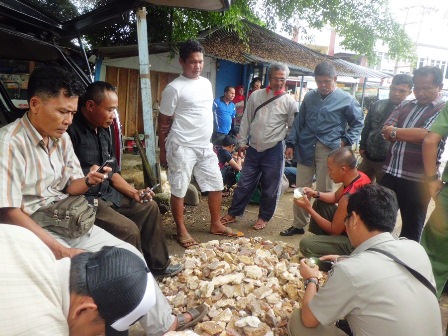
324	265
105	163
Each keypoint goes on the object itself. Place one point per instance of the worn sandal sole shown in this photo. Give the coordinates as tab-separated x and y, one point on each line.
197	313
187	242
229	233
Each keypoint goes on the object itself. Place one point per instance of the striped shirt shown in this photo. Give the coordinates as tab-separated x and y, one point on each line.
404	159
31	174
34	287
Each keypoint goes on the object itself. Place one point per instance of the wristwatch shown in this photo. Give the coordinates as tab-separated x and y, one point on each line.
312	280
317	195
393	134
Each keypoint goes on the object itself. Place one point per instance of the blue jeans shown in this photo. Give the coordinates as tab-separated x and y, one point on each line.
266	167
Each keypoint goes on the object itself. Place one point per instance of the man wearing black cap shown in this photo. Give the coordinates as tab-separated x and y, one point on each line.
90	294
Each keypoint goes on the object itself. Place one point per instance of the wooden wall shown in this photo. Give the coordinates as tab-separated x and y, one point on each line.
130	109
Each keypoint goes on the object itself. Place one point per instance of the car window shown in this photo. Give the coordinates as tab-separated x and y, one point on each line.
14	75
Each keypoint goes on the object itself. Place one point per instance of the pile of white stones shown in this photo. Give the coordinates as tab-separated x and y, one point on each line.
251	286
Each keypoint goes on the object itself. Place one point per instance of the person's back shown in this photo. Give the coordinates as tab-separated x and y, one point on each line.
39	311
382	297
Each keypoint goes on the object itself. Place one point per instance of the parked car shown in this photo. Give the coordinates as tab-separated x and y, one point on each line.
40	32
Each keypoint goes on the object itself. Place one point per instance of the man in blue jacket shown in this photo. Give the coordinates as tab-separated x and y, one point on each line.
328	118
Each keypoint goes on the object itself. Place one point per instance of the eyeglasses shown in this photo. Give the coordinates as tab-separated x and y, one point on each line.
275	79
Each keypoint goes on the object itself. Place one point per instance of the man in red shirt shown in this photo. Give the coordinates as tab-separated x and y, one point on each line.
327	218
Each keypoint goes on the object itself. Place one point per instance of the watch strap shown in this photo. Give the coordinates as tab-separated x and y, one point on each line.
312	280
317	195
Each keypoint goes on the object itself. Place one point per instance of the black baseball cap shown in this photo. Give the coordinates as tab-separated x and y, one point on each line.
122	287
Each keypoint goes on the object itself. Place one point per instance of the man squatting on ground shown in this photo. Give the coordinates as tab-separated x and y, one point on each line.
327	218
328	118
120	208
261	137
373	147
39	167
185	129
376	294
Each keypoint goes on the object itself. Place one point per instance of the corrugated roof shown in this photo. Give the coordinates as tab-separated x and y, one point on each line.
265	46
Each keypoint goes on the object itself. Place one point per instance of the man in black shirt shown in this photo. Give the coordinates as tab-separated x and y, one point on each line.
124	211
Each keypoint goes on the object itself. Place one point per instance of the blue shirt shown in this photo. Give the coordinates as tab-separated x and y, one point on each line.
222	115
330	120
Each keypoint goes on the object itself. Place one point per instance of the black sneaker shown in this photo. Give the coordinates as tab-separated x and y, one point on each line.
171	270
292	231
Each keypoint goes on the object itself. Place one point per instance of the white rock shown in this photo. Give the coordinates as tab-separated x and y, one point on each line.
227	279
193	282
273	298
251	321
225	316
206	288
253	272
228	290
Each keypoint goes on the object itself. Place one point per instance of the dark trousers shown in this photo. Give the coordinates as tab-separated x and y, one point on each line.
266	167
139	225
413	199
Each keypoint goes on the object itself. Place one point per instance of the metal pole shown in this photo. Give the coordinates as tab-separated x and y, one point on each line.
145	83
301	89
363	92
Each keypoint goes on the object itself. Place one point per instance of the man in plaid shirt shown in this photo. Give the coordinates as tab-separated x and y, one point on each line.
406	128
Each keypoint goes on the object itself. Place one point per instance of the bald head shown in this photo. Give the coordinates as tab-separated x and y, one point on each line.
343	157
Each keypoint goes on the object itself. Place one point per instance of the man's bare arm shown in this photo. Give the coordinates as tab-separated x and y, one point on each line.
429	153
164	128
17	217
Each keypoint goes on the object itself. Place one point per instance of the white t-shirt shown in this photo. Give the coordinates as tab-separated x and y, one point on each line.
189	102
34	287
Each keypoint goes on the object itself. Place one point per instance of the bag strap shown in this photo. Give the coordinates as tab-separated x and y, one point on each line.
416	274
267	102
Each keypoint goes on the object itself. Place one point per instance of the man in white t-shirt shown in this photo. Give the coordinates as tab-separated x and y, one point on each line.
185	129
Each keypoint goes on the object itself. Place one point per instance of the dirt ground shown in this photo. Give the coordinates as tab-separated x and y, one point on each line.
197	220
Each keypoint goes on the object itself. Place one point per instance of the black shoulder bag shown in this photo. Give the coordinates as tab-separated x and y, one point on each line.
267	102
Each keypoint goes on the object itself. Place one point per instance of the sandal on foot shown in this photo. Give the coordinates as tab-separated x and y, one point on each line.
229	233
259	226
197	314
225	221
186	241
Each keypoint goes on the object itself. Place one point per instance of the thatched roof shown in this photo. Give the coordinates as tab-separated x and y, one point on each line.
264	46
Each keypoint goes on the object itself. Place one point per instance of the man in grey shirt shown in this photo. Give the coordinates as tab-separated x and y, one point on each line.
262	131
376	294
